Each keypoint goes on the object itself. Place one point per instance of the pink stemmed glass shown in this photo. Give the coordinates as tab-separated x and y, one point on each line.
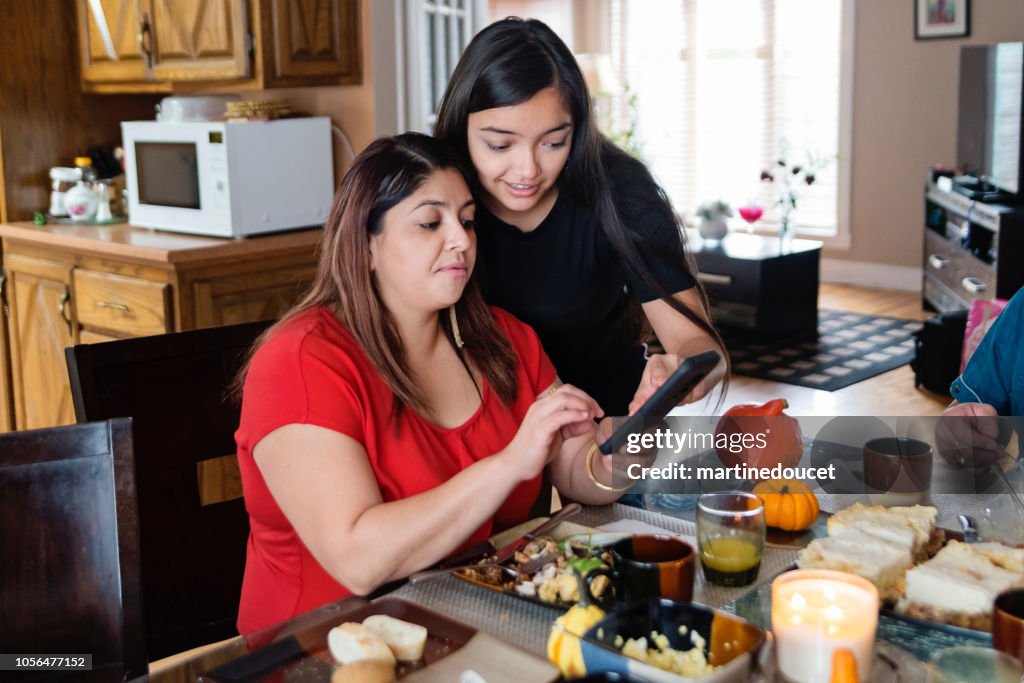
751	213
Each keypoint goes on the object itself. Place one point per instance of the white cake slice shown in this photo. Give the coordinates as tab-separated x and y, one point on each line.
957	587
1011	559
880	561
911	527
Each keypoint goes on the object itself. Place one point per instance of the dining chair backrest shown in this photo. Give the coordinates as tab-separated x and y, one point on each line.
193	523
69	547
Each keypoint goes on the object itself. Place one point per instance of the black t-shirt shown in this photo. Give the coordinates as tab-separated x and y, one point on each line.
566	281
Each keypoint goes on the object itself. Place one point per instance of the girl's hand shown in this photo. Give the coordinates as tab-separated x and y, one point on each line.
660	367
557	415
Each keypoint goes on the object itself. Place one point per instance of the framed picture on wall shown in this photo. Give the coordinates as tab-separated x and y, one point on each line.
942	19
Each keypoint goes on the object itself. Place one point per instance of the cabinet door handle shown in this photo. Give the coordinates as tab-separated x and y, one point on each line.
715	278
145	38
973	285
3	293
937	262
110	304
62	309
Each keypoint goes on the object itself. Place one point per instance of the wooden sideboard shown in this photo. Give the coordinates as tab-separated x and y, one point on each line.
70	284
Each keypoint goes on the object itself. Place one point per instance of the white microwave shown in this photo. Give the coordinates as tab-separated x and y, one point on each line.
229	179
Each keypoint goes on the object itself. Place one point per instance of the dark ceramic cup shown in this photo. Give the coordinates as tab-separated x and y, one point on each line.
897	471
651	566
1008	623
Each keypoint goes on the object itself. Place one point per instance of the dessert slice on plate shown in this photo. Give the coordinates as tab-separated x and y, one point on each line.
913	527
880	561
957	586
879	544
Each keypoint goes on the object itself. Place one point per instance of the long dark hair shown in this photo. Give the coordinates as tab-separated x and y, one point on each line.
387	172
509	62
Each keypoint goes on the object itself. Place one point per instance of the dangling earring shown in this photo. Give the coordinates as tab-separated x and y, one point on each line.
455	327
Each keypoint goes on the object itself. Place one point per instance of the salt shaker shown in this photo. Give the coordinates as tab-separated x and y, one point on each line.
103	214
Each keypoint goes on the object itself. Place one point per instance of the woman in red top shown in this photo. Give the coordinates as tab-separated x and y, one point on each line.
392	417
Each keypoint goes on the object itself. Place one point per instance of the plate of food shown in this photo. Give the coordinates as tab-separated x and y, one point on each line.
922	572
667	641
385	640
542	571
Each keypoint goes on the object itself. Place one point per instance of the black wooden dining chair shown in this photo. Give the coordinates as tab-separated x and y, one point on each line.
193	523
69	548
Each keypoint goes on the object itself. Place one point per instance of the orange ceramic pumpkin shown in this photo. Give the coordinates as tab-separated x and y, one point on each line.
789	504
784	442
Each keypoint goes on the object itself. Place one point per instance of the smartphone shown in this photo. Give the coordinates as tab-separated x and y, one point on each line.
689	373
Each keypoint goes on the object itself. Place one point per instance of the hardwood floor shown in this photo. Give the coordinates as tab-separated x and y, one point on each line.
889	394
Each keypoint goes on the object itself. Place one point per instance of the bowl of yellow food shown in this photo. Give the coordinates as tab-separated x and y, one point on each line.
667	641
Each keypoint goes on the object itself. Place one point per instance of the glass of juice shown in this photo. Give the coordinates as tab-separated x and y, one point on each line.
730	535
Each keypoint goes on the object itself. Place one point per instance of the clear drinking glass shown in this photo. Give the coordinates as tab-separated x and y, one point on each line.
973	664
730	534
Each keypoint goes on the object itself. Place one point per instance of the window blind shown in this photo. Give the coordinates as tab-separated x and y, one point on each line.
724	88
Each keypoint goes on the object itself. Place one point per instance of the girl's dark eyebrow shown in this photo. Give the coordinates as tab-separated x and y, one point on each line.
502	131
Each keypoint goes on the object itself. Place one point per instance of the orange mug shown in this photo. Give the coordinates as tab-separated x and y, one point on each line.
650	566
1008	623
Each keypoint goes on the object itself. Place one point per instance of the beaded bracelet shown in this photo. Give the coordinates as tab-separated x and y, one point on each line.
590	473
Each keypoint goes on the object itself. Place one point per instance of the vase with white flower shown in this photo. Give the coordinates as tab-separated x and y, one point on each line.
713	225
788	178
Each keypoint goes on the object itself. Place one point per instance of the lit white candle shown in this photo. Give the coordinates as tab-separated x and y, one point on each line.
814	613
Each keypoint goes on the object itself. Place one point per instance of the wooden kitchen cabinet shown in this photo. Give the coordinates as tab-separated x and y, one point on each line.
109	44
197	45
69	284
195	40
42	323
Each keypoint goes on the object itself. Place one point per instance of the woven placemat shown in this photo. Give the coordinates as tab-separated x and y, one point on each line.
527	624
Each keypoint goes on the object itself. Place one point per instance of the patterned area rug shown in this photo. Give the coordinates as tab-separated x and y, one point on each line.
850	347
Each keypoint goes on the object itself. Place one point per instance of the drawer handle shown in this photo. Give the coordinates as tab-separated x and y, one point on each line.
715	278
938	262
112	305
973	285
62	309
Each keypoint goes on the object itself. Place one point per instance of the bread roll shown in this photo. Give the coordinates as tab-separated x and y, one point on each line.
365	671
405	640
352	642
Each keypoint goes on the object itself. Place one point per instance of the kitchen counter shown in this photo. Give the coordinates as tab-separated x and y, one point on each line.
66	284
127	241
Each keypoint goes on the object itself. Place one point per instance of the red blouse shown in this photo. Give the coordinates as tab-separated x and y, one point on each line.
312	371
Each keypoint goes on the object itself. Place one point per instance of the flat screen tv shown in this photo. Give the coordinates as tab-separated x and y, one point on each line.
990	124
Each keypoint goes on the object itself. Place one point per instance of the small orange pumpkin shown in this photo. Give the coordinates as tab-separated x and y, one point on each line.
789	504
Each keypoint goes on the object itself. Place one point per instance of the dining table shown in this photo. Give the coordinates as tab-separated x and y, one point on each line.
901	643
